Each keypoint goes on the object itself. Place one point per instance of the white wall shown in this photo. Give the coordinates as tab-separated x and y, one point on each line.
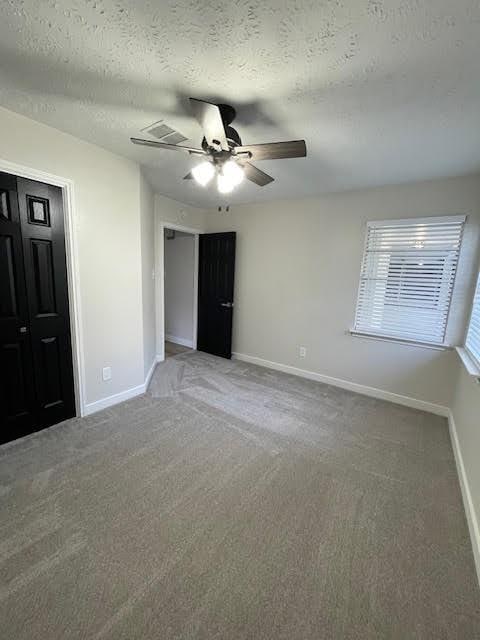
466	423
297	271
169	212
177	213
179	287
147	228
466	416
107	227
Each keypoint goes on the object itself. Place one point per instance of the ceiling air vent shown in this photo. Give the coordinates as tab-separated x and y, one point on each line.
165	133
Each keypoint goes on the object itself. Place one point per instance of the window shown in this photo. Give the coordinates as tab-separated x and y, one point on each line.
407	277
473	335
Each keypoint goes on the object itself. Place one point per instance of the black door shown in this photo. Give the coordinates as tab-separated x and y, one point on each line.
216	271
17	389
36	356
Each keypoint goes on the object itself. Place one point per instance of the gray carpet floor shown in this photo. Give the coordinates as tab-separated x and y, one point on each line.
234	502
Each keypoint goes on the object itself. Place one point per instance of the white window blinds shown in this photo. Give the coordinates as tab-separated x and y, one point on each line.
407	277
473	335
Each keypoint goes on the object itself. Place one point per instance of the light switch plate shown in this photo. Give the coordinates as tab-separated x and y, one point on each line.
107	373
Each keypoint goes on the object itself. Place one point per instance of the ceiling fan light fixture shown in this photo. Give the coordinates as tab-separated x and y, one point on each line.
233	172
222	150
224	184
203	172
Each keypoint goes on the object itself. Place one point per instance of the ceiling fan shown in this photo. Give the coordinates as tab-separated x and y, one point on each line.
222	152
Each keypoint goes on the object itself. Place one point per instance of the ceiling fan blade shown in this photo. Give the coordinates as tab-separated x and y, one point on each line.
255	175
189	176
274	150
170	147
210	119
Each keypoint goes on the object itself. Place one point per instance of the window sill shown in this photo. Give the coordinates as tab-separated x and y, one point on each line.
408	343
470	365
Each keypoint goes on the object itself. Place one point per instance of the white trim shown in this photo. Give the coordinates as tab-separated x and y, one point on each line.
181	341
109	401
159	291
475	363
473	524
409	221
160	357
150	373
469	362
73	273
410	343
373	392
179	227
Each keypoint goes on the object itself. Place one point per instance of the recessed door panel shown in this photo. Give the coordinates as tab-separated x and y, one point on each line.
51	384
5	210
8	295
14	388
38	211
43	277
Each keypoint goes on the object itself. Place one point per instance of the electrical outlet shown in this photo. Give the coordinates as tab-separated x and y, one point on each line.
302	352
107	373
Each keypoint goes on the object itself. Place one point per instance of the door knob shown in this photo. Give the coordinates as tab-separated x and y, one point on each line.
23	329
229	305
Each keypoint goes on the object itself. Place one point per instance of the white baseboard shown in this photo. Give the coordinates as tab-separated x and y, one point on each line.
116	398
109	401
473	524
176	340
407	401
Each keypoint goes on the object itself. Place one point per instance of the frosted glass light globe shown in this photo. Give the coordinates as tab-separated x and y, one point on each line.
233	172
203	173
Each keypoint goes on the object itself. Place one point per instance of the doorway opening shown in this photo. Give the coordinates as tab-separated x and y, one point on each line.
212	295
180	290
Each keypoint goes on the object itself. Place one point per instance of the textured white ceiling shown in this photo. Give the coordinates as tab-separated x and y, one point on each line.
382	91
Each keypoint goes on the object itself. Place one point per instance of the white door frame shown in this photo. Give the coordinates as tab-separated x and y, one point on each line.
160	288
73	275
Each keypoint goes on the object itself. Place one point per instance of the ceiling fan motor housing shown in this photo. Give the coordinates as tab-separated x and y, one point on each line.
227	113
232	136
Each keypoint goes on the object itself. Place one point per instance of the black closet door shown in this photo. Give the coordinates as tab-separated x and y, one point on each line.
18	411
216	272
42	224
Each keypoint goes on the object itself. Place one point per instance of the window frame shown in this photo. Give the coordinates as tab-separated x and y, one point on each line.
475	370
408	222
